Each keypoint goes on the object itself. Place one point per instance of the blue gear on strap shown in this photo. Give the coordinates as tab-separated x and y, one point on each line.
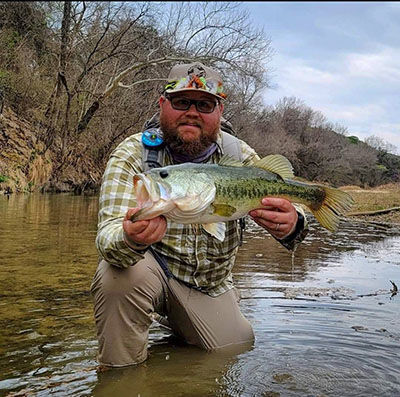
152	138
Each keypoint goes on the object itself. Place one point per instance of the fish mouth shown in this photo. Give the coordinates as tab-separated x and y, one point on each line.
152	198
144	192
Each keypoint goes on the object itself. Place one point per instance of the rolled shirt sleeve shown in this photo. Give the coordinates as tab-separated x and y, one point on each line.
116	197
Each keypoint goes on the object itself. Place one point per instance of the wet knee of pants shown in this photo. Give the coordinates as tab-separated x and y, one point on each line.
115	280
138	283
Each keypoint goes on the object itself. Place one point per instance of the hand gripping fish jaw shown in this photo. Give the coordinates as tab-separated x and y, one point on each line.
152	198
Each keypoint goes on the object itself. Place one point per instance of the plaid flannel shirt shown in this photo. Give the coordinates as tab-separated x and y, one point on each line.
193	256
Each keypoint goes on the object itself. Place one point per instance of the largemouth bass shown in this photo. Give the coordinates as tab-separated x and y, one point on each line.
211	194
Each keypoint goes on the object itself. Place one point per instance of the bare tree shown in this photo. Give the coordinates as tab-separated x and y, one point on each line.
94	39
116	82
380	144
54	106
217	33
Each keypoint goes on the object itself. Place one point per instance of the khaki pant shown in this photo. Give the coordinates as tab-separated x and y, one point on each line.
125	301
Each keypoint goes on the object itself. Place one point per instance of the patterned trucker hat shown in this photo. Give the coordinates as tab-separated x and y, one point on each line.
193	77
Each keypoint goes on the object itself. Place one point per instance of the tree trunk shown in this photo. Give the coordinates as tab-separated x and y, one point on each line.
83	123
53	110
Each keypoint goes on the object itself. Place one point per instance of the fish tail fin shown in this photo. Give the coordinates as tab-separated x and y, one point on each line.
335	204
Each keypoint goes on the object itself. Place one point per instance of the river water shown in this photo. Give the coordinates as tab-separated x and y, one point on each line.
326	323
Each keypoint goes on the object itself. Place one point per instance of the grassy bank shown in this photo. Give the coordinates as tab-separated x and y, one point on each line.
375	199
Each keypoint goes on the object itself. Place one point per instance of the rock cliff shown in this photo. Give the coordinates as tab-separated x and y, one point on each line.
22	166
25	168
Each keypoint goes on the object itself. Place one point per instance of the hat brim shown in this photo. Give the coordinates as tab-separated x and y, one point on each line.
194	89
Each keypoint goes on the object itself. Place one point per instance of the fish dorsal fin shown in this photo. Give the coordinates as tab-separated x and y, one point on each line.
230	161
277	164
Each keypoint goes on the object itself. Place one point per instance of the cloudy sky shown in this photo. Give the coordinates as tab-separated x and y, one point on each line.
341	58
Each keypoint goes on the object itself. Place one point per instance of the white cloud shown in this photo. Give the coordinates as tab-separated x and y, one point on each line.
382	66
342	98
353	113
309	75
393	5
299	79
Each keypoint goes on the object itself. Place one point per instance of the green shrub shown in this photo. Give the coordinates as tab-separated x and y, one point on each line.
12	39
353	139
381	167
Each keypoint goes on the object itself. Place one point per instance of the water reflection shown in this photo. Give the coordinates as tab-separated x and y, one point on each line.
191	372
325	324
320	249
46	260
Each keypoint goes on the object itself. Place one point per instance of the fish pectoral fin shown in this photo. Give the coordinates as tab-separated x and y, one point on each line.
225	210
216	230
277	164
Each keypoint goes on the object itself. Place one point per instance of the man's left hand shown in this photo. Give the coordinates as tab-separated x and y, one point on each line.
278	216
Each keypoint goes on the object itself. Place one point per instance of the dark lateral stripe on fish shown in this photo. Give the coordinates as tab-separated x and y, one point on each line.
249	191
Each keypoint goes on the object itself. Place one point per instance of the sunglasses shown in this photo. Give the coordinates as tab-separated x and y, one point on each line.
181	103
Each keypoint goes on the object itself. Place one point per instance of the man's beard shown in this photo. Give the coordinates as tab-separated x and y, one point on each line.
192	148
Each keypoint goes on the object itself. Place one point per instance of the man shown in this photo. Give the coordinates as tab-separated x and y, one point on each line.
178	271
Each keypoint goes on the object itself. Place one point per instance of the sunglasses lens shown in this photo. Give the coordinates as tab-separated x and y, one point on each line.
205	106
184	104
180	103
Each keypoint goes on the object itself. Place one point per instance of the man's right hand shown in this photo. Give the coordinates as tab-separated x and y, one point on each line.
144	232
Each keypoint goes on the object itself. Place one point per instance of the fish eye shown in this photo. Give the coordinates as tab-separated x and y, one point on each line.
163	174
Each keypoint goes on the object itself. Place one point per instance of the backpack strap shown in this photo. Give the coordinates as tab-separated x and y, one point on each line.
152	144
152	148
230	143
152	158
